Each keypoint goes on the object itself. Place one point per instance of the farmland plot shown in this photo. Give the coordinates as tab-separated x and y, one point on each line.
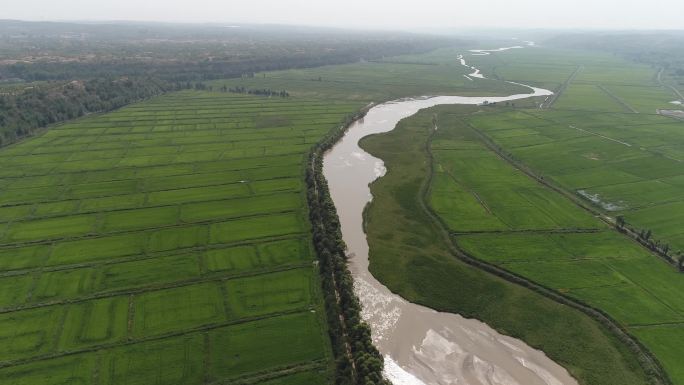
164	243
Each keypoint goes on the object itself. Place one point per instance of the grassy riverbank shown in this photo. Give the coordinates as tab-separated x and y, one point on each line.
414	258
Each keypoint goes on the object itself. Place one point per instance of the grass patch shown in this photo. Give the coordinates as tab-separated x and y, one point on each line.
262	345
412	259
179	308
269	293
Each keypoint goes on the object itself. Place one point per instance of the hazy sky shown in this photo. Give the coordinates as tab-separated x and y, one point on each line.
394	14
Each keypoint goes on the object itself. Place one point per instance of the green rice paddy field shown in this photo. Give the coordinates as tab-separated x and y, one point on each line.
413	252
164	243
603	140
601	137
500	215
434	73
168	242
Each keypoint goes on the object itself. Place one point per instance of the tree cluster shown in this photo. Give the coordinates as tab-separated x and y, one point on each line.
357	360
23	113
645	237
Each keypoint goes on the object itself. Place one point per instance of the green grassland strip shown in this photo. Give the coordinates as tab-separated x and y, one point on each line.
216	277
173	131
157	337
575	287
240	121
131	317
219	112
600	136
193	163
645	205
626	184
194	104
180	173
481	290
146	256
549	102
674	323
272	374
194	111
230	131
529	231
471	192
648	361
36	277
569	195
650	204
52	170
601	125
230	200
59	330
48	163
179	224
659	78
633	123
645	289
223	129
379	84
617	99
206	357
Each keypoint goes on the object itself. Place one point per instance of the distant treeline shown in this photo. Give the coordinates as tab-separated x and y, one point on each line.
358	362
22	113
188	70
96	68
657	48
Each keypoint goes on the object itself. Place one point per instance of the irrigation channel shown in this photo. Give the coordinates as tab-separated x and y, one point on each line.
422	346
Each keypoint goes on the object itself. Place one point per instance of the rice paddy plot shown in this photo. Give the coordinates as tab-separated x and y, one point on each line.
587	97
664	341
133	242
496	194
268	344
623	166
547	238
602	140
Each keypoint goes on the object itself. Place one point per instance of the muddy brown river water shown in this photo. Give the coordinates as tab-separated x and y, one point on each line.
422	346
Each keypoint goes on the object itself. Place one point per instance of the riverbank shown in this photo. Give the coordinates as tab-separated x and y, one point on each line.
410	256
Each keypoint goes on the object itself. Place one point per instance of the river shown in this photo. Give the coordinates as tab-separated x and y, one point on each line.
422	346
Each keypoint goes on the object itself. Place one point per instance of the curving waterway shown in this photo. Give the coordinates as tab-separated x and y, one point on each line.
422	346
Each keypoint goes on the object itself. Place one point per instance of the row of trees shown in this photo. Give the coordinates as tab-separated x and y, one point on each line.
645	237
357	360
